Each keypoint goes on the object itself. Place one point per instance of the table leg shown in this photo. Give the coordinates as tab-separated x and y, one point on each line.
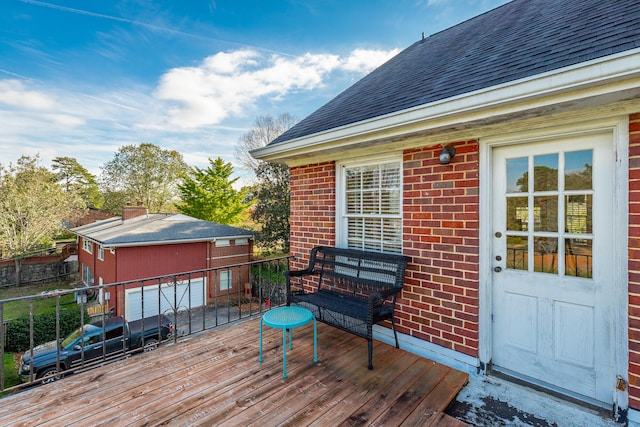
260	358
315	341
291	339
284	353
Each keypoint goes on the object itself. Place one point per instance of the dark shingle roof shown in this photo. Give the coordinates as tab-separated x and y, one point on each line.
517	40
155	229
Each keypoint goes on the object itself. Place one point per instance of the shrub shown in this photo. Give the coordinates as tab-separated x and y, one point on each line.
44	328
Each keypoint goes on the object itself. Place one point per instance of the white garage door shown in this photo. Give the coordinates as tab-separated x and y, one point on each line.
181	296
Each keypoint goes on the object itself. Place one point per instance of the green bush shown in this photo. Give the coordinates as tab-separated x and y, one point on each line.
44	328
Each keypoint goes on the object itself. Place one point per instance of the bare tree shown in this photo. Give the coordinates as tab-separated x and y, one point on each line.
271	191
264	130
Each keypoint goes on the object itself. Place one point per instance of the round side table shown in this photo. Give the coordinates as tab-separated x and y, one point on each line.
288	318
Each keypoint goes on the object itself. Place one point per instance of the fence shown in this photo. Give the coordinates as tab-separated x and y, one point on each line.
193	302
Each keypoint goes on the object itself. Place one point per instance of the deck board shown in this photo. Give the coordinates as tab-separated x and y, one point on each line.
214	378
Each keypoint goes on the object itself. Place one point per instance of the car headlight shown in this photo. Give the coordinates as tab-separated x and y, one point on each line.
24	367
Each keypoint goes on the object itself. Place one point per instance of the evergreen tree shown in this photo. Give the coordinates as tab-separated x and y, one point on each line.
209	194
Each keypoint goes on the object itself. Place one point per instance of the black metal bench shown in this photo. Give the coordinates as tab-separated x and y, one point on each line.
349	289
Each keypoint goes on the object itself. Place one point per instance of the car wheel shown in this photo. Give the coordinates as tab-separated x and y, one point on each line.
150	345
50	375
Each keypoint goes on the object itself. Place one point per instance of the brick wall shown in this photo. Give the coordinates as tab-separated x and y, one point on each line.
634	261
313	210
440	300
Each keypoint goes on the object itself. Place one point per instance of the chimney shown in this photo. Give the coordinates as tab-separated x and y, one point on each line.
130	211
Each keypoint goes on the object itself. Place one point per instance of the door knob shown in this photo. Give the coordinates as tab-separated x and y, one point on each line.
497	269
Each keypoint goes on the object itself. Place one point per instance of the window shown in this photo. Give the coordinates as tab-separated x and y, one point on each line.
223	242
549	208
87	245
100	252
240	242
225	280
87	275
370	205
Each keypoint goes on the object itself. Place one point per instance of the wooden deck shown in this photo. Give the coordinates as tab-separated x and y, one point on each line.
215	379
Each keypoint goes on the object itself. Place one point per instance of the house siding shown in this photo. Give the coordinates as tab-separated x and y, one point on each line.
634	260
440	218
439	302
221	256
313	210
138	262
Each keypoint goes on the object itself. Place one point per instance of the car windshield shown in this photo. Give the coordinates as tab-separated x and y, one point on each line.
75	335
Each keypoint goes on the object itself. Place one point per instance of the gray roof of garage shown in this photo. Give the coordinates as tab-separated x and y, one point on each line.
156	229
520	39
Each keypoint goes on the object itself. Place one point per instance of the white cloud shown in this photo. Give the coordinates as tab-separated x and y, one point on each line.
14	93
227	84
200	111
364	61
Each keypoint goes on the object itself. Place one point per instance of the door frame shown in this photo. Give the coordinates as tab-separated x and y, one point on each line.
618	128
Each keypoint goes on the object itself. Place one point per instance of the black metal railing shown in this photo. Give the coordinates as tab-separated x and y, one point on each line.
576	264
192	302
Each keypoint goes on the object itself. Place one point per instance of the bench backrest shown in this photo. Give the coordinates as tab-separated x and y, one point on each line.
355	271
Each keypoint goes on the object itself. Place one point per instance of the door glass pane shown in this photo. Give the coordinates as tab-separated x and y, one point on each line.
517	175
545	172
546	255
517	214
577	172
578	214
517	252
545	213
578	257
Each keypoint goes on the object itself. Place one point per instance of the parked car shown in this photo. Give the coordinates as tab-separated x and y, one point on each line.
93	342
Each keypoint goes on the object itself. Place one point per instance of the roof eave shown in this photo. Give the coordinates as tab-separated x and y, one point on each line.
614	73
109	244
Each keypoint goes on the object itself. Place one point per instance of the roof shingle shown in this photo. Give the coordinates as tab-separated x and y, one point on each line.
520	39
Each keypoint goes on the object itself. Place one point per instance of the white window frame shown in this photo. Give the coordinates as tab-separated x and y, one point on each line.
87	245
87	275
101	252
220	243
225	277
241	242
342	228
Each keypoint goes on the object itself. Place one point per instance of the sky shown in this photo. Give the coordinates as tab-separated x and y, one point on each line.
82	78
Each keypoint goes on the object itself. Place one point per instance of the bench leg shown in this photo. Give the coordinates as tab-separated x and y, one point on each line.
393	326
370	346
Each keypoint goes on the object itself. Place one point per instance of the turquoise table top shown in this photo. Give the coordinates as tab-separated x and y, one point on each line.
287	317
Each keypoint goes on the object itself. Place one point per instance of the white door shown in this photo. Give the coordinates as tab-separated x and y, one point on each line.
172	297
552	255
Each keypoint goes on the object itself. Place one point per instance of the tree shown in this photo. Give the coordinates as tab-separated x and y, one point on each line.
271	208
265	130
143	173
271	192
73	177
209	194
32	207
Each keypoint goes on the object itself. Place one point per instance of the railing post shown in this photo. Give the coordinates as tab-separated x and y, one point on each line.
2	346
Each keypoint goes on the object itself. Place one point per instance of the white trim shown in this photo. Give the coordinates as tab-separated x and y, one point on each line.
617	127
621	255
439	354
611	74
485	303
340	190
170	242
634	418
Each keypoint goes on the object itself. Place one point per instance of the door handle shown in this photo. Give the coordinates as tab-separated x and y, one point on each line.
497	269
